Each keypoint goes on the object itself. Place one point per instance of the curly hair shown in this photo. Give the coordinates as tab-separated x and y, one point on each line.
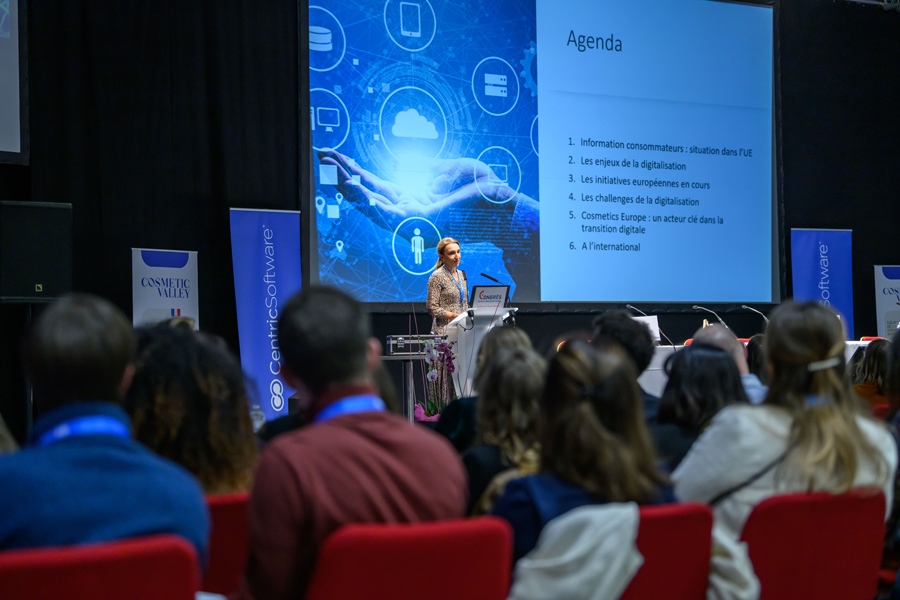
188	402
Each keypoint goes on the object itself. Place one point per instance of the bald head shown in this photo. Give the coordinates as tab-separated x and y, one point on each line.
718	336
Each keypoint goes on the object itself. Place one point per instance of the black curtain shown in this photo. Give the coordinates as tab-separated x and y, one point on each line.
153	118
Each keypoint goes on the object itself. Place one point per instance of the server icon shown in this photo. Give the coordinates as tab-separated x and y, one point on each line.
320	39
495	85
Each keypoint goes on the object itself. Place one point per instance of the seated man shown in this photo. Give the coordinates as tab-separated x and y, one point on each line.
635	337
718	336
353	462
81	478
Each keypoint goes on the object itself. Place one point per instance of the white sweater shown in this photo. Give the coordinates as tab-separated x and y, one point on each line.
741	441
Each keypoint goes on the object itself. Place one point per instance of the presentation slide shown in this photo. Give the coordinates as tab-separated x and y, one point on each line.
647	177
10	133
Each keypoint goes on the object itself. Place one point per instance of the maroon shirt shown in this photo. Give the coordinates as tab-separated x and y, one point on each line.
371	467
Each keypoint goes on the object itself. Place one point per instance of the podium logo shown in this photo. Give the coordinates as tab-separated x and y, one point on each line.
483	296
276	388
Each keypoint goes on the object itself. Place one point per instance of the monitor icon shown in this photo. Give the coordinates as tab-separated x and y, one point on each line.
410	19
328	118
499	173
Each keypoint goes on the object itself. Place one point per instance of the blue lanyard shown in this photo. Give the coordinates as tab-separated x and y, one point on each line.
458	286
349	406
93	425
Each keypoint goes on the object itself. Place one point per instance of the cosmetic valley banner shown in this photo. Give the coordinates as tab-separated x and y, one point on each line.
265	250
887	299
164	286
822	266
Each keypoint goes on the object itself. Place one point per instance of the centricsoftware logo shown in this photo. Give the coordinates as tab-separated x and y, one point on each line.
276	388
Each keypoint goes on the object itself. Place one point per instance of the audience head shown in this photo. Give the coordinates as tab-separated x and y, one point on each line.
80	349
893	374
324	338
593	433
805	347
703	380
874	365
718	336
632	335
188	403
496	340
509	391
756	358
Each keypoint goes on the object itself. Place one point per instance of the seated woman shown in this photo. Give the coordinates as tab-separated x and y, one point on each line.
872	372
703	380
809	435
188	403
595	447
457	422
507	413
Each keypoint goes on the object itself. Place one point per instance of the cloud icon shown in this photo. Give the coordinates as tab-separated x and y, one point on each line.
410	124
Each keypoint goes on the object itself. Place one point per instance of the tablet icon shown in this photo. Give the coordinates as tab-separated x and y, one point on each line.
499	173
410	19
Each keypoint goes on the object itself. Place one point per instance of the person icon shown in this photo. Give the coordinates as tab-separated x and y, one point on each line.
418	245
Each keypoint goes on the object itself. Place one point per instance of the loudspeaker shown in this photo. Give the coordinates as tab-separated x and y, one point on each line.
35	251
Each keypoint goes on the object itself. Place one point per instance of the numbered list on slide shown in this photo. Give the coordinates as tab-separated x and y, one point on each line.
655	128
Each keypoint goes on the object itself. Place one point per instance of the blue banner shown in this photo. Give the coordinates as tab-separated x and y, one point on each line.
265	250
822	266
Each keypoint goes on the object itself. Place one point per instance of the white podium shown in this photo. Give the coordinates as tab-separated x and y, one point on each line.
466	332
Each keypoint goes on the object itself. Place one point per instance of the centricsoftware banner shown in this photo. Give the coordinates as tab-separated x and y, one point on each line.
265	250
822	266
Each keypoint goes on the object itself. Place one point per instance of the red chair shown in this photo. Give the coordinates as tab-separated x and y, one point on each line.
870	338
744	341
153	568
688	342
445	560
228	543
676	542
880	411
817	546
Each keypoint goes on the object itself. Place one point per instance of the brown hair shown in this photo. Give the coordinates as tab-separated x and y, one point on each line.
874	365
188	403
496	340
805	347
440	250
593	424
507	409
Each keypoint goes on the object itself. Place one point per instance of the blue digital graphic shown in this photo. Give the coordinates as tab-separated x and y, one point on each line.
424	126
5	18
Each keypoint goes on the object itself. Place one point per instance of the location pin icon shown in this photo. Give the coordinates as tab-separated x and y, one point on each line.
339	197
320	204
340	246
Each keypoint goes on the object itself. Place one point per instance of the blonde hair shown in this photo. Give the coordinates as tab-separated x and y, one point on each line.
440	250
825	443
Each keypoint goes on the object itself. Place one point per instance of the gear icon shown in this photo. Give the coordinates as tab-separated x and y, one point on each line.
530	54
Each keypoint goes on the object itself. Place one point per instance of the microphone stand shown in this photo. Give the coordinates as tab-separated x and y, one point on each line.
642	313
724	324
745	307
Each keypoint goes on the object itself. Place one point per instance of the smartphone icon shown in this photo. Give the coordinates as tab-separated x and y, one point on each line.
410	19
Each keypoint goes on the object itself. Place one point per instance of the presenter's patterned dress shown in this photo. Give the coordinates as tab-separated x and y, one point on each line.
444	297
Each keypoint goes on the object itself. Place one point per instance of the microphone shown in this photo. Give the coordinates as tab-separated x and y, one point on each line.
486	276
745	307
724	324
642	313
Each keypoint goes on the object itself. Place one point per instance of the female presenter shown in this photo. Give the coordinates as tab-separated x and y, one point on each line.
448	289
448	296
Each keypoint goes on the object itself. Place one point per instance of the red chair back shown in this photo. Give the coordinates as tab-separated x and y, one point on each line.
689	341
228	543
817	546
870	338
880	411
445	560
675	541
744	341
154	568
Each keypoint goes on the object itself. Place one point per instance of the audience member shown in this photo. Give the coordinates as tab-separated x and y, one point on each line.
457	422
594	444
703	380
756	360
872	372
82	479
809	435
852	368
719	336
635	338
188	403
509	388
892	385
353	461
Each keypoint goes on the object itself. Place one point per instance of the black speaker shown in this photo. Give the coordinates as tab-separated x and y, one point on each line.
35	251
